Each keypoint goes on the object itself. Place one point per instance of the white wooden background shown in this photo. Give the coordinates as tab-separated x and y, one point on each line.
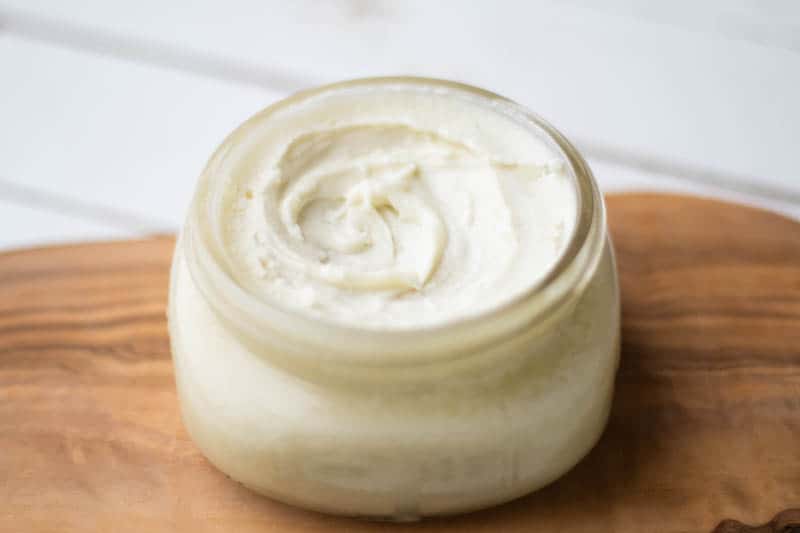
109	108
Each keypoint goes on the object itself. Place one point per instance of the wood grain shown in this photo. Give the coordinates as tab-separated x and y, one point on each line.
705	424
785	522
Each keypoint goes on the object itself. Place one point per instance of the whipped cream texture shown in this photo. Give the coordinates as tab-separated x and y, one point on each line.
395	207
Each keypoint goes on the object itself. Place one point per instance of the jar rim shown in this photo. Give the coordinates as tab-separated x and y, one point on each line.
260	318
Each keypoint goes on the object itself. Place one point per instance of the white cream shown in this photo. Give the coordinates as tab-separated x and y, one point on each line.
396	208
327	235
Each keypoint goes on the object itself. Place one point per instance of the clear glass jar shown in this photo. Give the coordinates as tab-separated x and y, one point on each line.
396	424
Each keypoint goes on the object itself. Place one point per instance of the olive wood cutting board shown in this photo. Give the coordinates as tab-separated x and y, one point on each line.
705	424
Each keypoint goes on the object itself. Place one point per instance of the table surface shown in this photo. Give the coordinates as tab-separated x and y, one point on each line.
704	426
109	109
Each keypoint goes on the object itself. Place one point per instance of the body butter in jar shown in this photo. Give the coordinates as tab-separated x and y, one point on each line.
395	298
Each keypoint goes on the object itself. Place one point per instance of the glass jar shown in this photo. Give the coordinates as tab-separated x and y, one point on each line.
395	424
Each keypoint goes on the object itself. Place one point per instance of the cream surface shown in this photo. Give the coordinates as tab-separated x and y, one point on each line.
395	207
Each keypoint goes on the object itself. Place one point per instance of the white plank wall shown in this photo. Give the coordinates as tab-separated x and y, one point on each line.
108	109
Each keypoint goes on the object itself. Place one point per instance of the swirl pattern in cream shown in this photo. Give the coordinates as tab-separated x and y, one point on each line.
397	217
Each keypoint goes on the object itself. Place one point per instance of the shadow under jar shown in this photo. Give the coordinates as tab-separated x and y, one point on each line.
462	368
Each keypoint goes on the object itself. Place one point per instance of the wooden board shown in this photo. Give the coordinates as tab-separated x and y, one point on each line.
705	424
